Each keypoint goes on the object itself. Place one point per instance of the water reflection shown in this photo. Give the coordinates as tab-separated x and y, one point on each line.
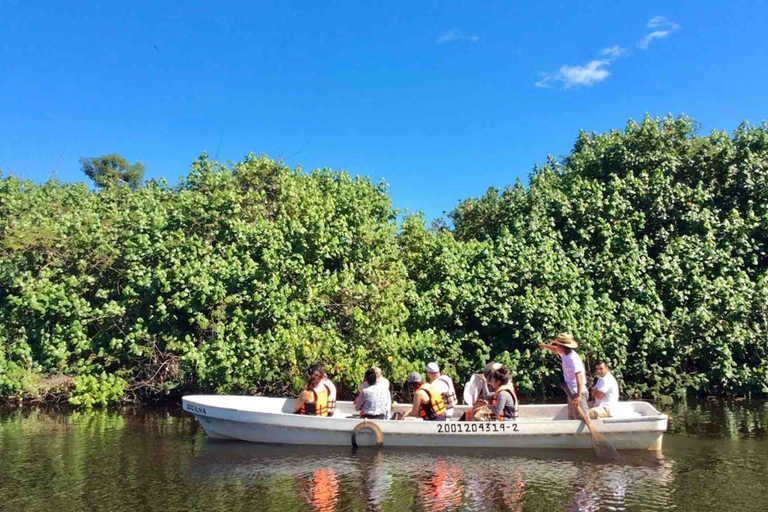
147	459
321	490
439	481
441	487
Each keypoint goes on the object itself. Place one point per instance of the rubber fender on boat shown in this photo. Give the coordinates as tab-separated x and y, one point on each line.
365	424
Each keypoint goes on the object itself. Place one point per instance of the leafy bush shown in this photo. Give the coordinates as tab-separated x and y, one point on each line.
648	244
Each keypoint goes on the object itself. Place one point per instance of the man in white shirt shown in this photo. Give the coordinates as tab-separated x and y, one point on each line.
444	385
573	373
606	392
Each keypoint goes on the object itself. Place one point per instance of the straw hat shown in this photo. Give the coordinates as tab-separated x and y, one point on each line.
564	339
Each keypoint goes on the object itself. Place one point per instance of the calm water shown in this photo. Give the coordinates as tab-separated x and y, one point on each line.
715	458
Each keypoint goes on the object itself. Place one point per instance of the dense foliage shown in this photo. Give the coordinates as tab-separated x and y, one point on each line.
648	244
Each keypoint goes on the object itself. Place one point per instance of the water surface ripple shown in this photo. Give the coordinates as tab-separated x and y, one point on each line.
148	459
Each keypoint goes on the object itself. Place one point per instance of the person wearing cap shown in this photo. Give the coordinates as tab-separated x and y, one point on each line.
565	346
427	400
444	386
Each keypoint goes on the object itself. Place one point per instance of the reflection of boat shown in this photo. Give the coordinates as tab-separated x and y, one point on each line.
635	425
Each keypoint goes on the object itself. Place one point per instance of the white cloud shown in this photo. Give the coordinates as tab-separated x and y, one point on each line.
596	71
587	75
613	52
661	21
656	34
576	76
665	27
456	35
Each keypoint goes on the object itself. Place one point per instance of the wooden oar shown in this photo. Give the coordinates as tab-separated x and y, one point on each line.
602	447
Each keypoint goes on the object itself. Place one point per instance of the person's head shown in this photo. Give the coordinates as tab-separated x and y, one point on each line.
602	369
315	375
370	376
564	343
499	377
489	369
414	380
433	371
377	370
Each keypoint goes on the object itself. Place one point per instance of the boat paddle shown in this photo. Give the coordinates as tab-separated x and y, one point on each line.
602	447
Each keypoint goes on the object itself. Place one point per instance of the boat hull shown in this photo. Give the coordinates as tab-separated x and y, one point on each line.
268	420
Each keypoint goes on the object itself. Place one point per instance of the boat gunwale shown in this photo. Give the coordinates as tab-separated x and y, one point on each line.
356	419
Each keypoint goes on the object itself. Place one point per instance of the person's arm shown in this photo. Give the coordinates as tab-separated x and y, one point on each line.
301	400
598	394
579	389
359	396
360	401
417	399
501	402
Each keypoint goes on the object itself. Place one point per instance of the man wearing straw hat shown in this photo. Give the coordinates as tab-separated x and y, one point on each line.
573	372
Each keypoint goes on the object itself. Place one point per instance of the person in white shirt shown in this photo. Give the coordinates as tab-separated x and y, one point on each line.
444	385
606	392
573	373
374	400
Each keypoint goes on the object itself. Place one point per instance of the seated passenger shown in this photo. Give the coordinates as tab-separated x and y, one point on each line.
606	392
477	393
427	400
374	401
477	388
313	399
504	404
444	385
331	390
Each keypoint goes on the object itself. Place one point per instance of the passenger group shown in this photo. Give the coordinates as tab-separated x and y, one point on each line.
491	394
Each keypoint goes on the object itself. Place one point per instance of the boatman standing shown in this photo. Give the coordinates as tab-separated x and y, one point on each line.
606	392
444	386
573	372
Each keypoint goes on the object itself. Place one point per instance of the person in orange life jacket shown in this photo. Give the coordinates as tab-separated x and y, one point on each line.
313	399
427	401
331	389
444	385
504	404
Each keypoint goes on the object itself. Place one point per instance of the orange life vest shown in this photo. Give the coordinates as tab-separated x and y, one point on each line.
331	398
435	407
509	412
320	406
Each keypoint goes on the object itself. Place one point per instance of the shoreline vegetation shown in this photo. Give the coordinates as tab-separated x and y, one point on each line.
648	244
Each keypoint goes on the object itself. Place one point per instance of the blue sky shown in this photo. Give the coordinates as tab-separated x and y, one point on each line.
441	99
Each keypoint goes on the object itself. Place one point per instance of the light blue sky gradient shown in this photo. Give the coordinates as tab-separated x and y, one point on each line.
441	99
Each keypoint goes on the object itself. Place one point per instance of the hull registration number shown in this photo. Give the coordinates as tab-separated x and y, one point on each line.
475	427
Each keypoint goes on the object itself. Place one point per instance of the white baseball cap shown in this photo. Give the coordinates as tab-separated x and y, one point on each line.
433	368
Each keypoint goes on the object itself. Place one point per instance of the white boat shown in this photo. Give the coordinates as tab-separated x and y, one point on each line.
633	426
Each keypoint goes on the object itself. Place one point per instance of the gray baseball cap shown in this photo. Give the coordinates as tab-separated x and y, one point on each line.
414	377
